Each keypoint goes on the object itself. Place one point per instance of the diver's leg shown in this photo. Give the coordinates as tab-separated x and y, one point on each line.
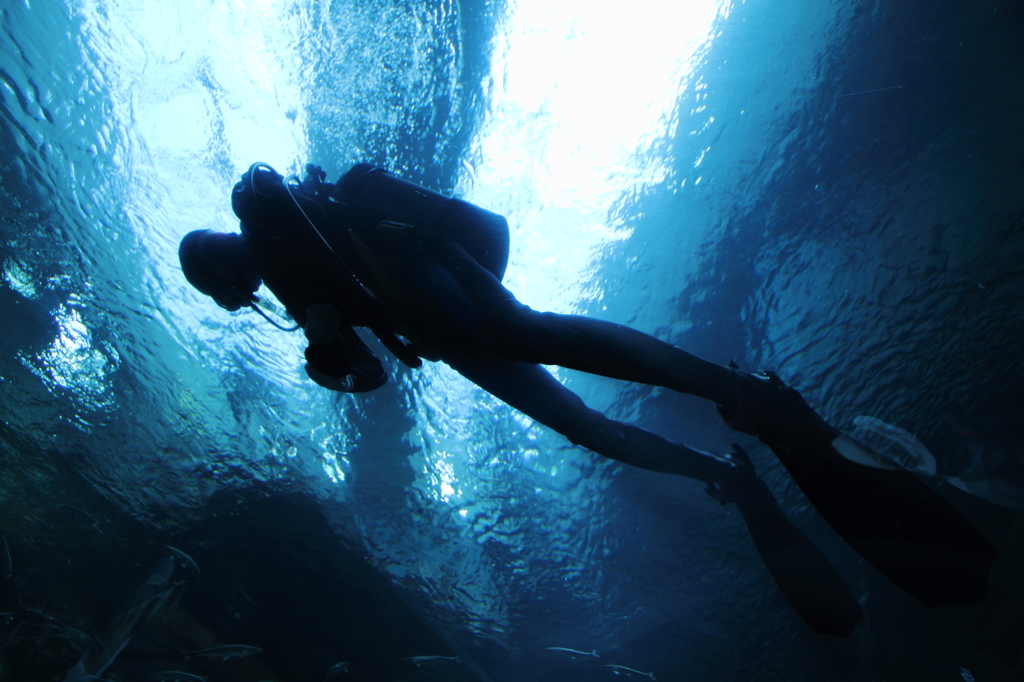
532	390
605	348
757	404
895	521
573	341
802	572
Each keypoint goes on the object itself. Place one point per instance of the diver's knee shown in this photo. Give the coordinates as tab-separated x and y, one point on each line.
582	426
515	330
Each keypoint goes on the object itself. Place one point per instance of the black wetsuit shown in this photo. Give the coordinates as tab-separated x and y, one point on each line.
434	267
454	309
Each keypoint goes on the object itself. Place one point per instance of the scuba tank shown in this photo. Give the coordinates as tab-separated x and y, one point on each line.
368	221
270	209
483	234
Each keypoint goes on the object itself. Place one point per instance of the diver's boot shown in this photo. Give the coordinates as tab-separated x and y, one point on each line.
765	403
891	518
803	574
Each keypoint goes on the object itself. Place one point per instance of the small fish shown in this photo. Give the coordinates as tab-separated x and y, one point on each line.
227	651
6	569
573	652
428	660
185	559
176	676
336	669
617	668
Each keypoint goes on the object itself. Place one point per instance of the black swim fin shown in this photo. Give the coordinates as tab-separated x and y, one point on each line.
891	518
803	574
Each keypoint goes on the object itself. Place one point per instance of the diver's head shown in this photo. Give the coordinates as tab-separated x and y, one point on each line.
221	265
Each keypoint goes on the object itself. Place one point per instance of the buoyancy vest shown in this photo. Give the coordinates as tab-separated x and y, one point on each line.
348	215
387	198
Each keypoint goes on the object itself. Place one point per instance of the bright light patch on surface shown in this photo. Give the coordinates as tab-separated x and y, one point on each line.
181	124
333	468
206	88
237	53
443	478
73	364
580	92
19	279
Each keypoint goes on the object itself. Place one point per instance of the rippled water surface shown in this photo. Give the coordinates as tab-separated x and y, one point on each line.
832	190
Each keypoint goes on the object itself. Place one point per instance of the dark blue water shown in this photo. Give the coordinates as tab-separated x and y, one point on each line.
831	190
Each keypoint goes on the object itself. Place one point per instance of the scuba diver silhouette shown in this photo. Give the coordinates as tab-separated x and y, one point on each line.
378	252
